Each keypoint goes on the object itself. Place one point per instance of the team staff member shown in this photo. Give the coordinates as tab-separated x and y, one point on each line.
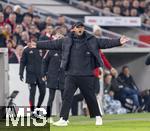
55	77
32	60
80	56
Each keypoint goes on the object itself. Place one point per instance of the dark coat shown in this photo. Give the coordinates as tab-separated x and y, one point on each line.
32	61
148	61
65	44
3	41
19	18
51	69
128	81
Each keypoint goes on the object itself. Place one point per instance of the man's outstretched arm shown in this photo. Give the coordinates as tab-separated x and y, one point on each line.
48	44
109	43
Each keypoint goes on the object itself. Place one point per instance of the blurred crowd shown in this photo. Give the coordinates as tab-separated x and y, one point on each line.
124	7
17	28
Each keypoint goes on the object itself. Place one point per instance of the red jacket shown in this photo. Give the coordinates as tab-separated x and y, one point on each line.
13	25
106	64
2	23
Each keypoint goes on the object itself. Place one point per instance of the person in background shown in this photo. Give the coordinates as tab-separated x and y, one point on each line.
17	11
17	33
47	33
31	60
54	75
61	21
11	21
16	56
27	20
7	11
111	106
36	21
33	30
29	11
24	38
131	90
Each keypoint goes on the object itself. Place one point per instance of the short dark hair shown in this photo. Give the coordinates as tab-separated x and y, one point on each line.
124	67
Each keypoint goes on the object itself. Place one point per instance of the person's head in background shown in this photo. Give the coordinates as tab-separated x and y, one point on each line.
30	9
147	21
17	9
1	17
64	30
142	6
18	29
133	12
109	4
49	30
27	19
12	18
114	73
117	10
19	50
25	36
118	3
49	21
107	79
126	4
8	9
126	71
126	12
135	4
98	4
36	20
61	20
8	29
97	31
107	10
33	29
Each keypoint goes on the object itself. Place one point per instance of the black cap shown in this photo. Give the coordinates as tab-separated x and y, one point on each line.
78	24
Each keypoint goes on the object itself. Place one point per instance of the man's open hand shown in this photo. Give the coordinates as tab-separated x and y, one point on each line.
124	40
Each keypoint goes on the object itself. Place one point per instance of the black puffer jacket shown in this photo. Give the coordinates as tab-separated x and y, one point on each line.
65	44
51	69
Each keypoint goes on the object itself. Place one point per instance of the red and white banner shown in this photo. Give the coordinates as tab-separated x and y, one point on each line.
113	21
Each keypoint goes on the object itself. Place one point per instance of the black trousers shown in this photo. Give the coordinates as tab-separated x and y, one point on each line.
74	107
32	89
79	97
85	84
50	101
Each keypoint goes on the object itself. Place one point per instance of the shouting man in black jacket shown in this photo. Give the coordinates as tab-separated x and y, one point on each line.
80	55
